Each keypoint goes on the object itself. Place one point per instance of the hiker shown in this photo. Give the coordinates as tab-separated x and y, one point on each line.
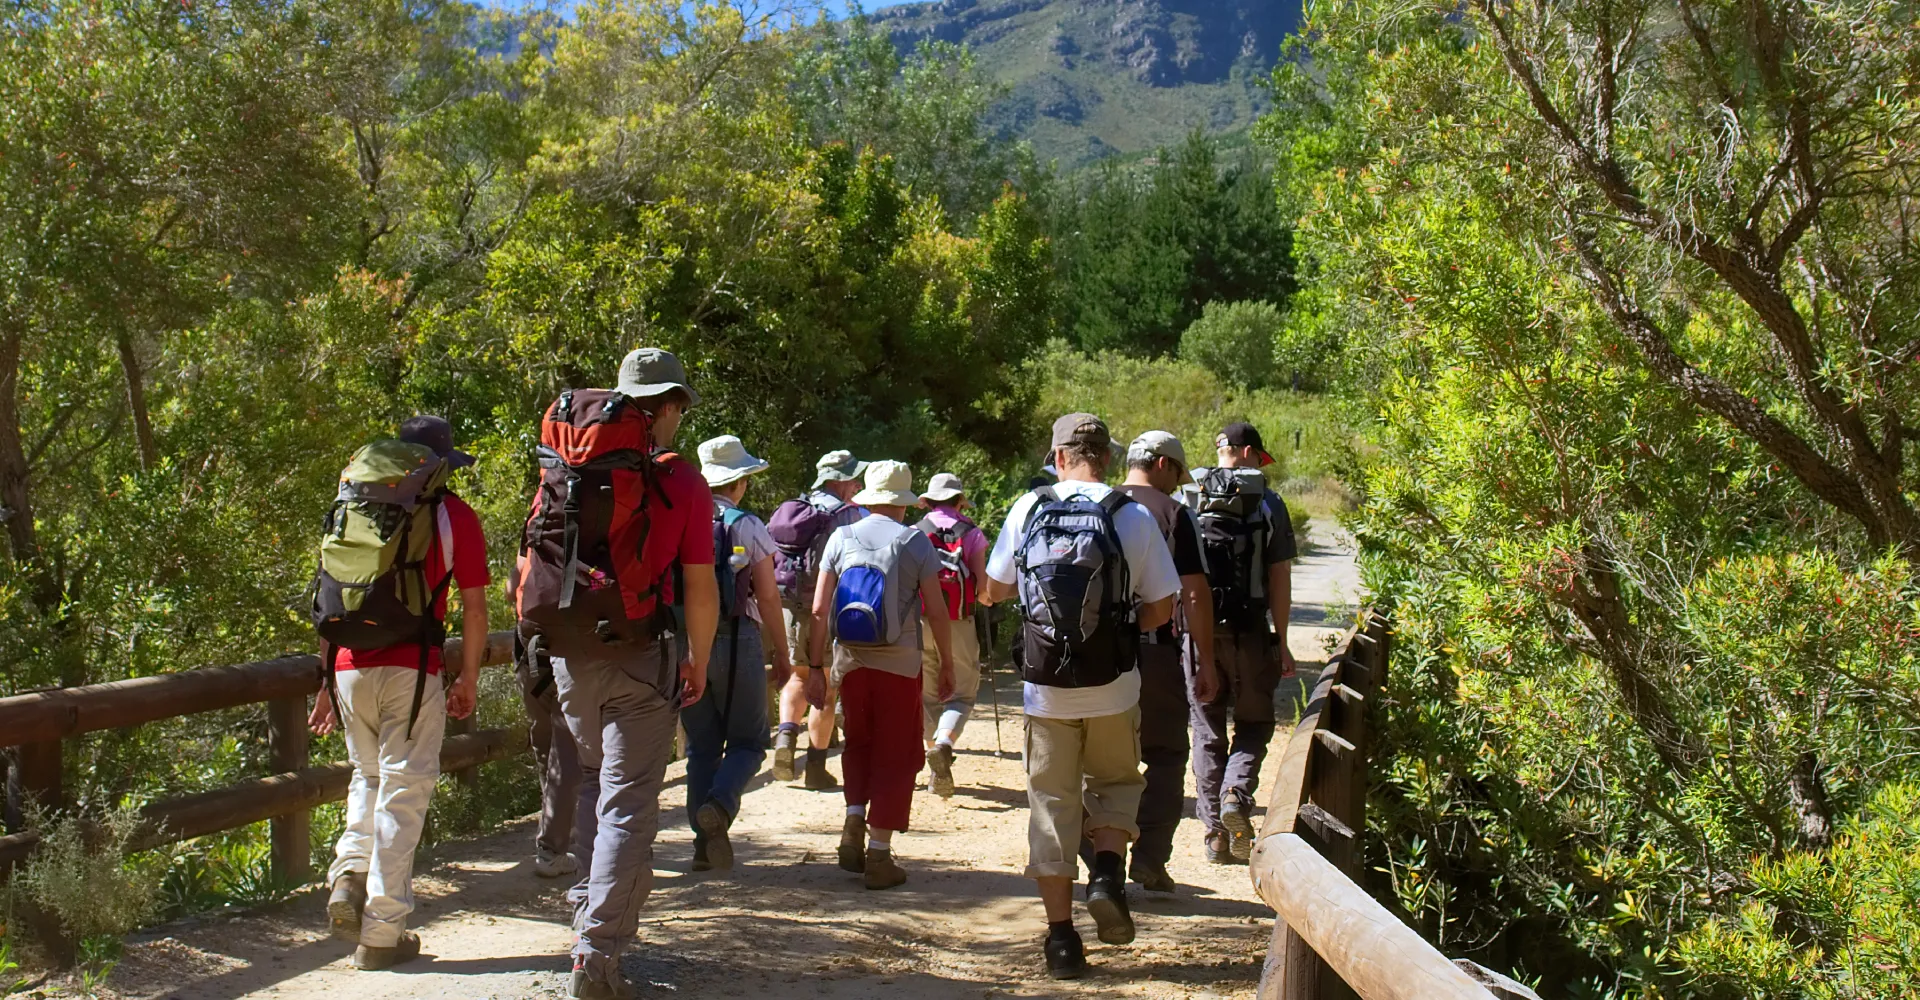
800	528
380	606
1084	613
1248	540
727	729
1156	470
614	515
873	576
557	756
962	548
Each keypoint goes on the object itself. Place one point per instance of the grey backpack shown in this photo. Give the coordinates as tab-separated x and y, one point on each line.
1080	628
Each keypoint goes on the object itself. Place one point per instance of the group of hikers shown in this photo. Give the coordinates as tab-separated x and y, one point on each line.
646	595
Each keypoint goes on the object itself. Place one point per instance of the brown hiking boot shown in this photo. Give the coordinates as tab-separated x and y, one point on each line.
882	873
853	845
368	958
349	898
783	750
819	779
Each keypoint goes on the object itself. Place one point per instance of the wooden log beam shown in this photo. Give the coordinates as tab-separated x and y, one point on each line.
52	715
1358	939
173	820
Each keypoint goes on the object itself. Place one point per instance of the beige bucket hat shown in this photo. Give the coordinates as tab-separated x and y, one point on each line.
888	484
725	459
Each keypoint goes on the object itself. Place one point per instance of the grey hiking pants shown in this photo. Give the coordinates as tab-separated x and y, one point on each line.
621	707
1229	768
559	759
1163	749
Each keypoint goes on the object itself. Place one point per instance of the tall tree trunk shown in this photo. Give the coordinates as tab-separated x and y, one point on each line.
137	402
16	500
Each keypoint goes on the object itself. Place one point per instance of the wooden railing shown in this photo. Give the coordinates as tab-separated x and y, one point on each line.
1331	939
36	724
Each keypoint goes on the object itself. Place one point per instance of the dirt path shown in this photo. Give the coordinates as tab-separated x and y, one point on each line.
785	923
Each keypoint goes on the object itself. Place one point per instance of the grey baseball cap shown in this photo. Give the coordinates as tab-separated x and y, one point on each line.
650	371
1156	444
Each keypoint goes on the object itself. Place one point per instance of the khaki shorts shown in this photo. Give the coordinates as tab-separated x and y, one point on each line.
799	635
966	663
1082	774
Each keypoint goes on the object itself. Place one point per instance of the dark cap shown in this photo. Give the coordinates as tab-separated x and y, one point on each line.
435	433
1244	435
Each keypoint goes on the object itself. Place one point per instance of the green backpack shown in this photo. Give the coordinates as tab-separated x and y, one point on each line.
371	591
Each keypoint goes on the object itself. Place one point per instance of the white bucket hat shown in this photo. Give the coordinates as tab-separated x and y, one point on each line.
944	486
724	460
888	484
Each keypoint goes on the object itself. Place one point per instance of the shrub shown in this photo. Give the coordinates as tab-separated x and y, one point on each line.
85	882
1234	340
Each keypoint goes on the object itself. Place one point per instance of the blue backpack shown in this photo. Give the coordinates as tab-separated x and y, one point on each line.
865	598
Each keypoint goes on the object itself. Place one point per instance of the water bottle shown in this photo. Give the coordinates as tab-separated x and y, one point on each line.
739	558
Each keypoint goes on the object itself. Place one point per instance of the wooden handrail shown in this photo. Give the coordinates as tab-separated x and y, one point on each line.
56	714
1329	931
36	723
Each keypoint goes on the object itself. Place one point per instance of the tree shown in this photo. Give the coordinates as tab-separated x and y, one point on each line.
1235	341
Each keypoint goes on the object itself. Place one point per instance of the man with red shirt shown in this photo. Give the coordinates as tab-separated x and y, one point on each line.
394	766
621	693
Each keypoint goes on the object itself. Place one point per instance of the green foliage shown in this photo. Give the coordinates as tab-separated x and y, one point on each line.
1235	341
1142	251
1840	924
85	882
1643	656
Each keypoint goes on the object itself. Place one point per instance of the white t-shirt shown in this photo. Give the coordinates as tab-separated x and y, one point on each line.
1149	567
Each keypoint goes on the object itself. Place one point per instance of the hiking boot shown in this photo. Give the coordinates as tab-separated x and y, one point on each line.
582	987
881	872
818	779
344	906
1238	819
713	822
1219	849
783	747
1152	876
1107	903
940	762
368	958
547	864
853	845
1066	956
700	862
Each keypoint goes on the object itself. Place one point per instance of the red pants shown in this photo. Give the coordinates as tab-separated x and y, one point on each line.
883	753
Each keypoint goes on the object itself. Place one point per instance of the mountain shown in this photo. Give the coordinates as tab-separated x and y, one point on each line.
1092	78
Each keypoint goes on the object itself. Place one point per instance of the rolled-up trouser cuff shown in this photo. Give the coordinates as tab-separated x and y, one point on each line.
1055	869
1113	821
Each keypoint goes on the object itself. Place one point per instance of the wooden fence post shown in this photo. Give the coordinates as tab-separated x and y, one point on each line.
36	776
468	777
290	849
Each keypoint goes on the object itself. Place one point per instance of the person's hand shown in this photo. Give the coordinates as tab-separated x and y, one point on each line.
1287	666
782	670
946	685
693	682
1206	684
321	719
815	686
464	695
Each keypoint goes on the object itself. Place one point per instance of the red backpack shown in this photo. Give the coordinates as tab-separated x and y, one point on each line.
956	577
582	565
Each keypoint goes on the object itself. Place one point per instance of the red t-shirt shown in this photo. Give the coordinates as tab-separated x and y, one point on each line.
682	533
469	571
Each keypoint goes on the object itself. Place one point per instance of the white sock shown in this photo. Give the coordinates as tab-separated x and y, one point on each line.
880	845
945	738
860	811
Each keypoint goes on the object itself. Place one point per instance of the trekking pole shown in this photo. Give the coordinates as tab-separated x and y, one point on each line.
993	687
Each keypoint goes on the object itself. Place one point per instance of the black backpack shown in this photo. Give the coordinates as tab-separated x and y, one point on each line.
1234	529
1080	628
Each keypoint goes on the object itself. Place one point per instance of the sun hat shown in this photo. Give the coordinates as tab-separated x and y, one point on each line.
889	484
1156	444
436	433
944	486
650	371
725	460
1244	435
837	467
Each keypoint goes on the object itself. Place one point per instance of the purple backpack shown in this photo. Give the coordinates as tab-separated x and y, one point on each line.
795	526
